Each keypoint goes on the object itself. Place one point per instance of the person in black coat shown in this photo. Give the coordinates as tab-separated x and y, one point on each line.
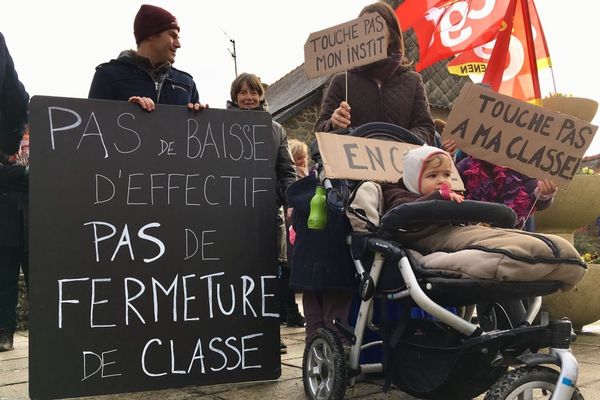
146	76
247	93
14	102
382	91
13	184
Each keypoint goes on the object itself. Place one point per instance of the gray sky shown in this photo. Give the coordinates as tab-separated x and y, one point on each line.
57	44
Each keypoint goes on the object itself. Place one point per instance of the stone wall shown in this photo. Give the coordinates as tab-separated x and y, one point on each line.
301	126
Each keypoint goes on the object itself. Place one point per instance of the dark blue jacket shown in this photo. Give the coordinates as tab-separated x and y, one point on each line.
121	78
13	103
321	260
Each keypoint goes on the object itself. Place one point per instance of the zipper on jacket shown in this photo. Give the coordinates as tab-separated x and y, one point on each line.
173	86
379	102
159	86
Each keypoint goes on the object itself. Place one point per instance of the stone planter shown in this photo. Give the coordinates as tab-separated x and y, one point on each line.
573	208
578	107
581	304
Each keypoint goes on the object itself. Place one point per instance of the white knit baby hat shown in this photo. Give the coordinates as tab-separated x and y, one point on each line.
413	165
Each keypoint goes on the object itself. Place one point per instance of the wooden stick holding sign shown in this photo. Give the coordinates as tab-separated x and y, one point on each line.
535	141
350	157
351	44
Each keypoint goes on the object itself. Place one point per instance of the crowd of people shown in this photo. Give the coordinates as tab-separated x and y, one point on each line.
388	90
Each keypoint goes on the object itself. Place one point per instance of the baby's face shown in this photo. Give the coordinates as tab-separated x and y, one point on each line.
437	172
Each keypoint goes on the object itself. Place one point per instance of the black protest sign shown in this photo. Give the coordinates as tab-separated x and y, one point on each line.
351	44
152	248
535	141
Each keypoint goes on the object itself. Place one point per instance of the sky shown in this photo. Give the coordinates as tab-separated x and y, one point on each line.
57	44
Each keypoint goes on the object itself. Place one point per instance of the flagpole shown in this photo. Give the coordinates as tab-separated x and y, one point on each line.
495	67
531	49
553	80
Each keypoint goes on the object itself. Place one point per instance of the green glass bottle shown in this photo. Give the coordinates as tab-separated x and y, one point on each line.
317	219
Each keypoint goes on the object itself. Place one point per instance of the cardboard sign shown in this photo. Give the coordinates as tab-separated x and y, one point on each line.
350	157
535	141
351	44
152	248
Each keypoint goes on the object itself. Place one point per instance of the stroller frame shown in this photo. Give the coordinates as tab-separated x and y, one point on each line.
558	356
329	368
560	332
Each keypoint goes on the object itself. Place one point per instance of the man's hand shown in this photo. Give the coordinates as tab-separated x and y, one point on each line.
196	106
145	102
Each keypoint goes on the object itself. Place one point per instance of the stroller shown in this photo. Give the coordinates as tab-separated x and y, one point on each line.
440	353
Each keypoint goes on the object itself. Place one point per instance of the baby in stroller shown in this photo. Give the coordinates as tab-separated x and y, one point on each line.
446	356
510	255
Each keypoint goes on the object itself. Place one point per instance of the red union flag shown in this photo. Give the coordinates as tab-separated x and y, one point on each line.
515	77
447	27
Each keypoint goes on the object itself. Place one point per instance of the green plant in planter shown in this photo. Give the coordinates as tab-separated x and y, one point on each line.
591	258
559	94
587	243
585	171
587	239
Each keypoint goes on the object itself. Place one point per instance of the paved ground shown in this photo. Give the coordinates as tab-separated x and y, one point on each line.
14	376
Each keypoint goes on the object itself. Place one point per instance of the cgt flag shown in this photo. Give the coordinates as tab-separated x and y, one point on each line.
514	74
447	27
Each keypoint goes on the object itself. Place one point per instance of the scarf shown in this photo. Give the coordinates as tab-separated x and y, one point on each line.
381	70
156	72
263	106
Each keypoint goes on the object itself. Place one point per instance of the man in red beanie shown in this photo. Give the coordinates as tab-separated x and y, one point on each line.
147	76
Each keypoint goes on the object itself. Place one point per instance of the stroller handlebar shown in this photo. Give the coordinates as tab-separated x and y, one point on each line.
418	213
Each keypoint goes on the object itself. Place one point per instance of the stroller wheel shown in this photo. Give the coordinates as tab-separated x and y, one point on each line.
324	367
527	383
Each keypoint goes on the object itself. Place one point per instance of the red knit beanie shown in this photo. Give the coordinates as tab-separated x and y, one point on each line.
151	20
